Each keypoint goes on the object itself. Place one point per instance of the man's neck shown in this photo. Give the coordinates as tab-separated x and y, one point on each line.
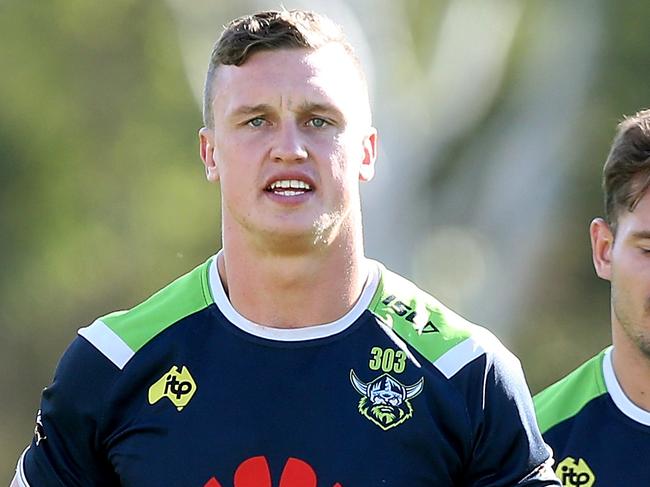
632	369
293	290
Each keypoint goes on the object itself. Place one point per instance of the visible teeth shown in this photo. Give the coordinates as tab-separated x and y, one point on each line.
290	183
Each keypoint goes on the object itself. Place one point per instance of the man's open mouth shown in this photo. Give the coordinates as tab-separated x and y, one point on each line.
289	187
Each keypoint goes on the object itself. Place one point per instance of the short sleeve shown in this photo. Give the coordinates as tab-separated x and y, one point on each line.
67	448
508	449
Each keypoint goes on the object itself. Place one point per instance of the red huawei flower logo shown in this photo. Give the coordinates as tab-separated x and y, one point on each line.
255	472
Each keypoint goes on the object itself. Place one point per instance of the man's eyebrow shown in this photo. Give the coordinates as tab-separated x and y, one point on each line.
250	110
641	235
303	108
310	107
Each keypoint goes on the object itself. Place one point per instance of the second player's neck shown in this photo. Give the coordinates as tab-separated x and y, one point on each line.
632	369
293	291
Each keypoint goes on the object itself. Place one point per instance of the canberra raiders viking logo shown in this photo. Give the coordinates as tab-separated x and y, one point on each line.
385	401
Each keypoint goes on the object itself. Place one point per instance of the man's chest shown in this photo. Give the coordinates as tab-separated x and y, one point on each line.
603	455
230	422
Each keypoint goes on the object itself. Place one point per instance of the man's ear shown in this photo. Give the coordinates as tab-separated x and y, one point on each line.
367	169
602	244
207	151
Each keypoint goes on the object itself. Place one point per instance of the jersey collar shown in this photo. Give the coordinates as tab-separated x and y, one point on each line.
292	334
615	390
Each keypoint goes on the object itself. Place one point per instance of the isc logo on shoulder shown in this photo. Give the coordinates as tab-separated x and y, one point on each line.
574	473
177	385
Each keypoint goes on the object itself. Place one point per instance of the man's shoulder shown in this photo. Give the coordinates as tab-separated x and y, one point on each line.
121	334
442	336
568	396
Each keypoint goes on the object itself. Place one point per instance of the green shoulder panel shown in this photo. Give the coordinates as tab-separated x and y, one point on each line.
418	318
186	295
568	396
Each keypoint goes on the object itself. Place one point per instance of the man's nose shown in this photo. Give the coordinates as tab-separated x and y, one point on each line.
289	144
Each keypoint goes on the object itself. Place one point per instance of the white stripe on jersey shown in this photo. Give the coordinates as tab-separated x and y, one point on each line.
107	342
459	356
621	400
19	479
480	342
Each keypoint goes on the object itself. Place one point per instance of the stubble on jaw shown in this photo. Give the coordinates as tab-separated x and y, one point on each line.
323	233
637	331
327	227
642	338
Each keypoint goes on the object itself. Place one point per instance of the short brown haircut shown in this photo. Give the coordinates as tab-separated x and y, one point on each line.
626	175
270	30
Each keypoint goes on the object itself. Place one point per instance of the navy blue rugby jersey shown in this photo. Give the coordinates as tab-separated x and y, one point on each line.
184	391
600	437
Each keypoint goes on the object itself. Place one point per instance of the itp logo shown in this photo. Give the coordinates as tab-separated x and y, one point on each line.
574	473
255	472
177	385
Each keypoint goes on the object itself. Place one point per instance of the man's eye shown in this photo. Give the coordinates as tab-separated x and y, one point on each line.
317	122
256	122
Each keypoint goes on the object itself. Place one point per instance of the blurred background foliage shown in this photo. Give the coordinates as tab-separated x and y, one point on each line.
495	118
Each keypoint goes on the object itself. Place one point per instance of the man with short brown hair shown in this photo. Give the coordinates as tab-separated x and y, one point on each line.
597	419
289	358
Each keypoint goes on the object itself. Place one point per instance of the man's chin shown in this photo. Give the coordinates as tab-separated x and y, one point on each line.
292	240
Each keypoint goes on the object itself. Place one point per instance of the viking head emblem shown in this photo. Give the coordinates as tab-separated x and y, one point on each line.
385	401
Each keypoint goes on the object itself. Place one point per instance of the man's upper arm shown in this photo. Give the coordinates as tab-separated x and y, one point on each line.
508	448
65	450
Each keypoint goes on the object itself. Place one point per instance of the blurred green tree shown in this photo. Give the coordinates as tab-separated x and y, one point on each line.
101	195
